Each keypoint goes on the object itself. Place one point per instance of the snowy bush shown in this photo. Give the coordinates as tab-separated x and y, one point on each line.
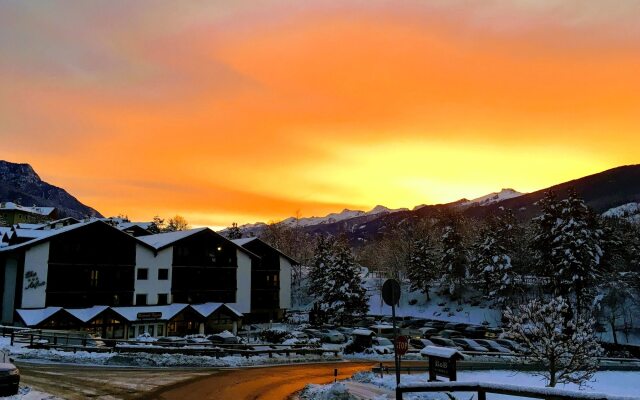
563	344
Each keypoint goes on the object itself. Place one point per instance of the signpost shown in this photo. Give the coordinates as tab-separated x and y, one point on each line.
442	362
401	345
391	296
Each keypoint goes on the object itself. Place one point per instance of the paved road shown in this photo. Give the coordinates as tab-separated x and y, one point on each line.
271	383
81	382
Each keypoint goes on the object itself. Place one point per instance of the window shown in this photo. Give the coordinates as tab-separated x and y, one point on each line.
94	278
163	299
141	299
163	274
160	330
143	274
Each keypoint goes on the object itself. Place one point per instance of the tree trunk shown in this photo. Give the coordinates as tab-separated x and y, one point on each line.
613	331
552	372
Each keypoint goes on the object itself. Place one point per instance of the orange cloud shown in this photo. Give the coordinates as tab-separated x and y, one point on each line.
254	112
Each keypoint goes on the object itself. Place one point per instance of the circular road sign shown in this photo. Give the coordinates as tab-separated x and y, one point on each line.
401	345
391	292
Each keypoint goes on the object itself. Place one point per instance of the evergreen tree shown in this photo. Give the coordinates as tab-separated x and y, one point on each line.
495	255
423	266
319	264
544	235
454	257
577	250
234	232
336	283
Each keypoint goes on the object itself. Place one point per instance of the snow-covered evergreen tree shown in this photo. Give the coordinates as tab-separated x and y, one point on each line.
494	256
577	250
234	232
422	270
336	283
319	264
544	235
563	344
454	255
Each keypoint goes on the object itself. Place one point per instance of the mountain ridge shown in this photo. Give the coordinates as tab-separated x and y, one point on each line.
20	183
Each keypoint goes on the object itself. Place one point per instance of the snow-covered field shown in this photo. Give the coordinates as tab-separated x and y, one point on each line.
608	382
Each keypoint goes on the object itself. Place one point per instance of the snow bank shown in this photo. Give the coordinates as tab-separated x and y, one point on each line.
334	391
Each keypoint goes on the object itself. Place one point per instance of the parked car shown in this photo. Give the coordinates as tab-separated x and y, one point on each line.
428	332
449	333
298	335
345	330
9	378
174	341
511	344
332	336
420	343
383	330
224	337
493	333
361	341
382	345
444	342
492	345
470	345
456	326
475	332
313	333
439	325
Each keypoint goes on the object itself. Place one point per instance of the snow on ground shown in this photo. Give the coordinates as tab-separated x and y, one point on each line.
621	383
153	360
450	311
26	393
334	391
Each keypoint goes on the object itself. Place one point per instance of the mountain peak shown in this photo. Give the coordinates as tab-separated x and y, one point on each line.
19	183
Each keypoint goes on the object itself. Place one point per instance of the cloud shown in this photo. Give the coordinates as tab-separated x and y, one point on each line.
254	110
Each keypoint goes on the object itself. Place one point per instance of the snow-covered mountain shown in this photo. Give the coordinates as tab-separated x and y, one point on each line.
629	211
344	215
491	198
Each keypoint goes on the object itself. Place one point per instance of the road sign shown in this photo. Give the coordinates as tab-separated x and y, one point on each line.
391	292
401	345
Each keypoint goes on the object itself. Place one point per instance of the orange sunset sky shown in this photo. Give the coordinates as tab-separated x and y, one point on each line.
227	111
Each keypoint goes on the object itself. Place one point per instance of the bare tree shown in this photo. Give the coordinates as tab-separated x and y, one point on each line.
564	345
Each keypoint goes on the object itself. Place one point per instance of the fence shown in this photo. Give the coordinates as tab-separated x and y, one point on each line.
482	388
38	338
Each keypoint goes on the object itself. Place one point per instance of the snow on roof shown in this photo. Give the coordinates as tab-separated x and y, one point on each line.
34	210
31	233
127	225
444	352
163	239
381	326
29	226
46	234
34	317
362	332
243	241
206	309
167	312
86	314
224	334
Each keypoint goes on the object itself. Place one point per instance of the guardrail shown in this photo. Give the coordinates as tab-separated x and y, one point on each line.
482	388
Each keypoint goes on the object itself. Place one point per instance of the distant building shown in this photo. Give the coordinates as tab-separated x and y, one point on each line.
12	213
